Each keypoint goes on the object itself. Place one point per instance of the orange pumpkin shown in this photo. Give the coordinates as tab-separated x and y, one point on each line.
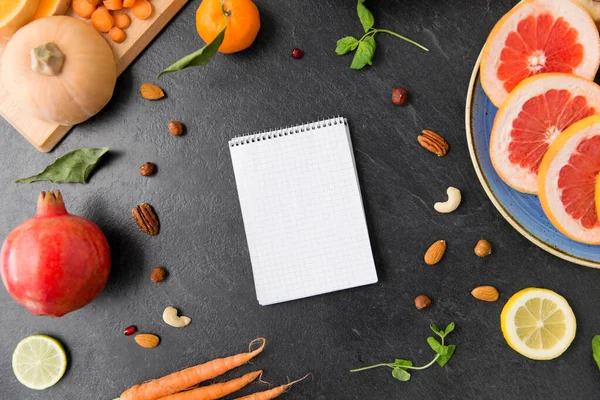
59	69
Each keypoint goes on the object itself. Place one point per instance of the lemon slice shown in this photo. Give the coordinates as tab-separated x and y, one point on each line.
538	323
39	362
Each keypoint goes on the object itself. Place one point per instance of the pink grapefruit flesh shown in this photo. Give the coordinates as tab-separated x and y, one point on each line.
568	179
536	37
531	118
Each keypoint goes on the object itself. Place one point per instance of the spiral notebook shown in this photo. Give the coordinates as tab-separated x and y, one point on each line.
302	210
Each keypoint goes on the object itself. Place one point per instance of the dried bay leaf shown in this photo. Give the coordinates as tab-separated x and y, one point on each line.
73	167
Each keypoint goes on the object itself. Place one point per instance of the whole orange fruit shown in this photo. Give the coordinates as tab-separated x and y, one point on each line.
240	16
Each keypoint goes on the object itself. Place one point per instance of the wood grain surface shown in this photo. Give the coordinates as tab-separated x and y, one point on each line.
43	135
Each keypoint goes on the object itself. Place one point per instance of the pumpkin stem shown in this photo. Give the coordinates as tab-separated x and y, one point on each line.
47	59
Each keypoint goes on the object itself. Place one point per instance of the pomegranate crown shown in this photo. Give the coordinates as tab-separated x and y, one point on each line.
50	204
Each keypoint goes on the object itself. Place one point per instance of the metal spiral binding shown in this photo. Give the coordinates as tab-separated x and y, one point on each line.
289	130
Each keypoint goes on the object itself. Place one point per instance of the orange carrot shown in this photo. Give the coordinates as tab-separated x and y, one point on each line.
83	8
128	3
113	5
117	35
102	20
181	380
215	391
142	9
122	20
271	393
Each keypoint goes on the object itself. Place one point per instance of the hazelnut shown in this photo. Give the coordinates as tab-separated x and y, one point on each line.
176	128
147	169
422	302
483	248
158	274
399	96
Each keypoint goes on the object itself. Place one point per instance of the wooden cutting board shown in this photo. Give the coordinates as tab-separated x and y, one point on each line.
43	135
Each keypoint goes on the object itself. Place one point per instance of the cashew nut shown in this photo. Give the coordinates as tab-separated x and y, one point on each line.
171	318
451	204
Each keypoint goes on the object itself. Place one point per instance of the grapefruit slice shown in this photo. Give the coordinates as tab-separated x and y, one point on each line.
535	37
531	118
568	178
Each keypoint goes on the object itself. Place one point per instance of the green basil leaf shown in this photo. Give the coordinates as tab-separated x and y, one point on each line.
443	360
364	53
401	374
365	16
403	363
433	343
74	167
436	329
346	44
449	328
199	58
596	349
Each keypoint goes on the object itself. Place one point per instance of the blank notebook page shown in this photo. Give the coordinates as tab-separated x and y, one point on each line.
302	211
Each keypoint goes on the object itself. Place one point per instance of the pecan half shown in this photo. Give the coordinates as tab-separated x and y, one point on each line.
146	219
433	142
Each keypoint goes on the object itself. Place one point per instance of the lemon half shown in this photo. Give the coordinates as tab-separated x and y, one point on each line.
538	323
39	362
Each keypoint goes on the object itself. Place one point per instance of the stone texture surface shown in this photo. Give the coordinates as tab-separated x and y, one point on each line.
202	242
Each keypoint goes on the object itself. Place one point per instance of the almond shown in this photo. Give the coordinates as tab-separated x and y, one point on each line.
147	340
485	293
150	91
435	252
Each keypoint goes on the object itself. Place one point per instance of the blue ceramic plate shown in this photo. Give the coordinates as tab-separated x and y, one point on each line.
522	211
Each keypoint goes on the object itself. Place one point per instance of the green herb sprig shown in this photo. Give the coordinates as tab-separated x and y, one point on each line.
443	354
365	46
596	349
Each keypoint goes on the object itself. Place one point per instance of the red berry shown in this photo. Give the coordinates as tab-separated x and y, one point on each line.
130	330
297	53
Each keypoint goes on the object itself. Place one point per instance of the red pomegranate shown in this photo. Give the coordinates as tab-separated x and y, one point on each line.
55	262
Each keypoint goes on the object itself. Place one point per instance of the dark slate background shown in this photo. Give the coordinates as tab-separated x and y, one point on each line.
202	242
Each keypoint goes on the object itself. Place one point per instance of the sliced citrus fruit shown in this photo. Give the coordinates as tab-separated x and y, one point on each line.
48	8
538	323
568	175
535	37
39	362
14	14
531	118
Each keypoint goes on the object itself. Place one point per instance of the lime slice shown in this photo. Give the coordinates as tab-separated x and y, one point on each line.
39	362
538	323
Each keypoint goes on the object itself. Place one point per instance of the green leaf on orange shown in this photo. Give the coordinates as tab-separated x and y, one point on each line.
198	58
